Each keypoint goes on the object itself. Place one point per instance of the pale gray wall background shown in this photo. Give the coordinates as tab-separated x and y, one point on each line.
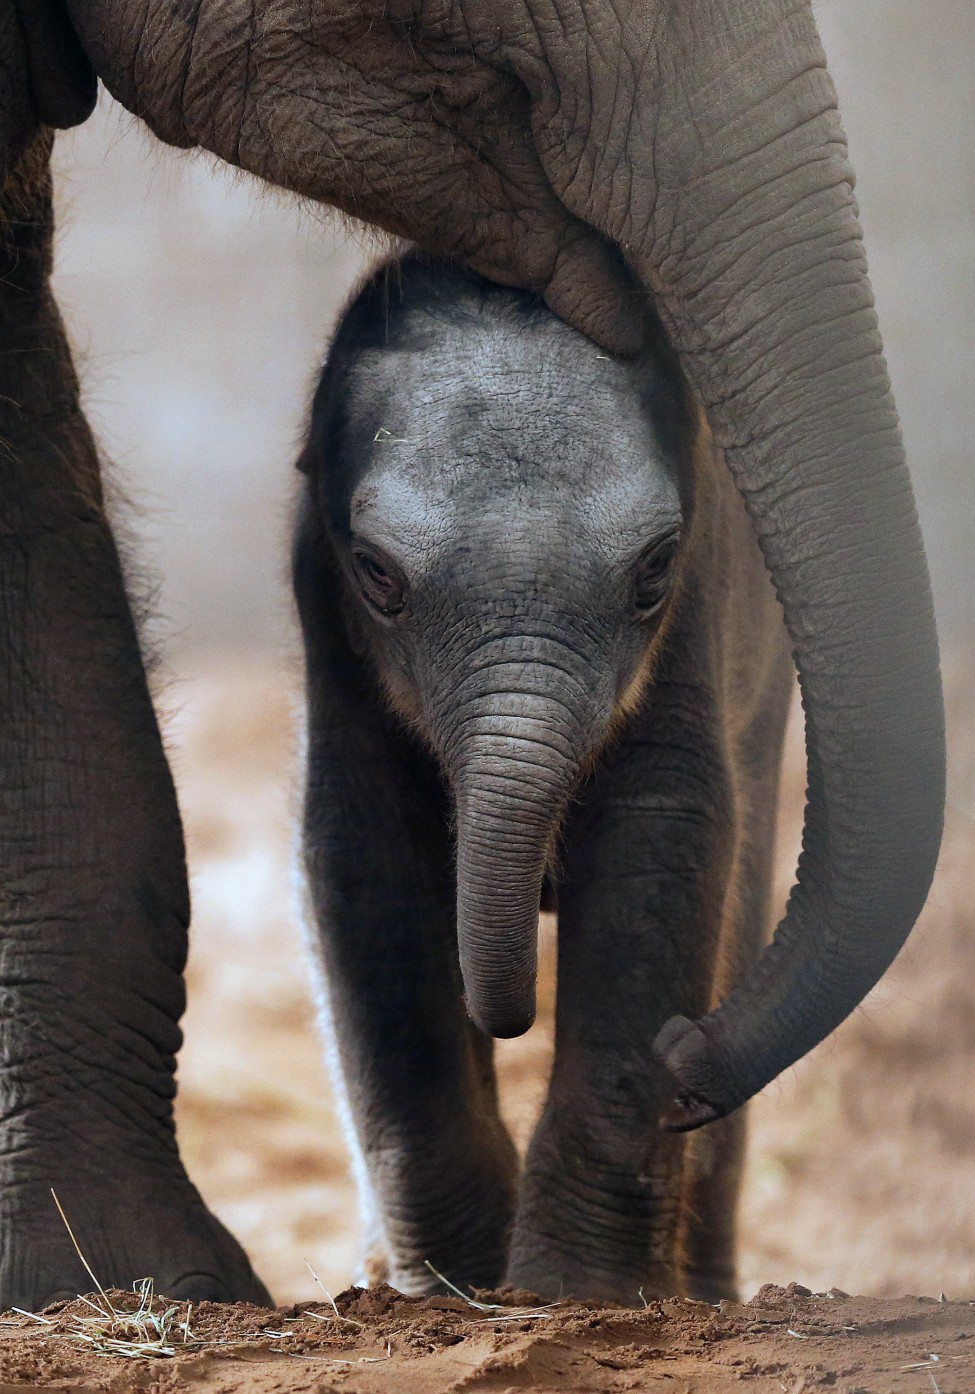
200	303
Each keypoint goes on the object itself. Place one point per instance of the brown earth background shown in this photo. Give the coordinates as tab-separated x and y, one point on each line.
200	305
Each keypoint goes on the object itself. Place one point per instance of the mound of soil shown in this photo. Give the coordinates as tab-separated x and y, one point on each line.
384	1343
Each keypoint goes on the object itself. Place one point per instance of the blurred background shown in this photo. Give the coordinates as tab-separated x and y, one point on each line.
200	304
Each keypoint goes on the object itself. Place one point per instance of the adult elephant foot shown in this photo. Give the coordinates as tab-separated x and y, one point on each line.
145	1223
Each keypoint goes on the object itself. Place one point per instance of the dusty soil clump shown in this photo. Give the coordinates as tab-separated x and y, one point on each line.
379	1342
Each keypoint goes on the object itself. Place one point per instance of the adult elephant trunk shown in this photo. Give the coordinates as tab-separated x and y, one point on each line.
739	214
512	768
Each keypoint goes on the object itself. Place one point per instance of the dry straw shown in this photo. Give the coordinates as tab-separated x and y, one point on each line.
499	1310
154	1329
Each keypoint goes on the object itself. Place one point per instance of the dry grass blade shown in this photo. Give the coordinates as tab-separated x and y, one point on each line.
77	1249
514	1314
363	1359
509	1313
349	1321
471	1301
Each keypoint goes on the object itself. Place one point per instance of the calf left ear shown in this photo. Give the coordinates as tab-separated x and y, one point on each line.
46	77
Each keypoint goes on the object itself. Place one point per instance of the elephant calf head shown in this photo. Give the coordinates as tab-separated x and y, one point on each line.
504	502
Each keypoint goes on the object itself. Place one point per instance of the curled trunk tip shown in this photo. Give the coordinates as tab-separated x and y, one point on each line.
700	1095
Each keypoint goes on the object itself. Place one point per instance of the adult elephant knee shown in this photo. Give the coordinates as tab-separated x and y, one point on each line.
698	141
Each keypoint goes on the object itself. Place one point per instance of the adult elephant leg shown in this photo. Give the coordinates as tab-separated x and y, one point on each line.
93	896
644	870
436	1168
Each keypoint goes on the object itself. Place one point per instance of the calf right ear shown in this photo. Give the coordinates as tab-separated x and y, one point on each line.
45	77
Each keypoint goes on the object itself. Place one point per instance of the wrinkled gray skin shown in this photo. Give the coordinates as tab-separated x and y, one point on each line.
590	150
562	688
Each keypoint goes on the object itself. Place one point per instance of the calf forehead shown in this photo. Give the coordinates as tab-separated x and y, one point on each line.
493	423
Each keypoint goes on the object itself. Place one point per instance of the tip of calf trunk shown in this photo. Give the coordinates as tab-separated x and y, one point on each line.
505	1020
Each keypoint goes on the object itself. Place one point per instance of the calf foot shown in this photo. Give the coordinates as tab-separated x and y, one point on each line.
597	1214
556	1270
445	1215
597	1245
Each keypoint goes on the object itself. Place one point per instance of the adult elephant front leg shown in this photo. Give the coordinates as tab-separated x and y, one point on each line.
93	896
644	871
436	1168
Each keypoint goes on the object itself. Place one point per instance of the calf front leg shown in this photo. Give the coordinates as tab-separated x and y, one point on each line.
641	892
436	1166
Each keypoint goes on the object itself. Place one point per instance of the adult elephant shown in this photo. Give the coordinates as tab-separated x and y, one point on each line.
585	148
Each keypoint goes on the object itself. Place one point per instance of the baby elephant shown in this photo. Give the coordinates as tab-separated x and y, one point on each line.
543	656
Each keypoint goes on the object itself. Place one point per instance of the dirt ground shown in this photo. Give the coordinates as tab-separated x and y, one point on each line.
379	1342
861	1173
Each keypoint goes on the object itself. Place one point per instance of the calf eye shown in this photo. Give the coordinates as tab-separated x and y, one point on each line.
381	582
652	574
